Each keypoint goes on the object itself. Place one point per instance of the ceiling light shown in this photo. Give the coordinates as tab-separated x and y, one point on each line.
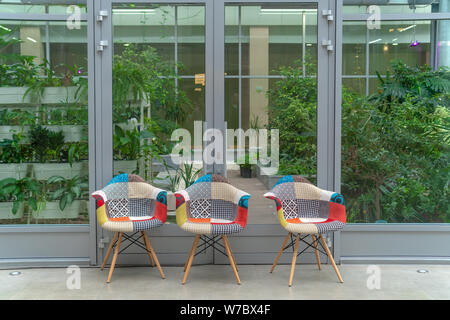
407	28
288	11
31	39
15	273
5	28
133	11
373	41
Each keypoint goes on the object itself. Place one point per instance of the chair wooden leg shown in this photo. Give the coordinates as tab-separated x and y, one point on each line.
149	244
232	255
231	258
148	248
316	251
108	253
294	260
191	258
116	253
280	252
331	258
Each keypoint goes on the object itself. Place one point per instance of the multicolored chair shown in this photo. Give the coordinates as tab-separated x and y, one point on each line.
211	208
303	208
128	204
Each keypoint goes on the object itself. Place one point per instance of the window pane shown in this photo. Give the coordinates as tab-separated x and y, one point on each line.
158	86
354	48
191	39
408	41
43	123
395	160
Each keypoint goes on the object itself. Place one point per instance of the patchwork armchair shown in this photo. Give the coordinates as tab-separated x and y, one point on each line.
304	209
211	208
128	204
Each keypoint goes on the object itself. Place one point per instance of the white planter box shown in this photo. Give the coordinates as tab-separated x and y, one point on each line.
51	95
43	171
52	211
124	166
72	133
14	170
6	211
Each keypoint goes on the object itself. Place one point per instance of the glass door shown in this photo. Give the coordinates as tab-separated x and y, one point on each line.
158	74
271	97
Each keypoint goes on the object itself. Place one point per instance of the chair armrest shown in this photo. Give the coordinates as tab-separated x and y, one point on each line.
100	197
179	199
272	196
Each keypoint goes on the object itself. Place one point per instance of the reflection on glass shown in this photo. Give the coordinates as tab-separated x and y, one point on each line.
43	124
158	86
270	83
394	159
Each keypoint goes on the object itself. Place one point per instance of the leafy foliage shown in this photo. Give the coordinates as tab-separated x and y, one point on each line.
292	110
68	190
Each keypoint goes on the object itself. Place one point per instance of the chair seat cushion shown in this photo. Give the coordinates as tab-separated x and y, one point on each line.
211	226
313	227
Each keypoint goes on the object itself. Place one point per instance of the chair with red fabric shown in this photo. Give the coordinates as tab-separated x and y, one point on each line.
211	208
128	204
305	210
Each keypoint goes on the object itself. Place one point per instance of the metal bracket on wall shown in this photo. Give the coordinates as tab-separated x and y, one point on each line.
327	43
328	14
101	45
101	15
101	243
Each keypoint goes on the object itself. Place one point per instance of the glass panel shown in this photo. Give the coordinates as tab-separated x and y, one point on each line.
356	85
43	123
354	48
395	144
408	41
191	39
272	86
158	86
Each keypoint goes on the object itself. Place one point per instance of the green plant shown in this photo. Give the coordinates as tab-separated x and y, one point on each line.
293	111
67	190
26	190
16	117
46	143
14	150
188	173
126	143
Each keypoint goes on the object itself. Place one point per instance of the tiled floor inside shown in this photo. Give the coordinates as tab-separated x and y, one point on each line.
218	282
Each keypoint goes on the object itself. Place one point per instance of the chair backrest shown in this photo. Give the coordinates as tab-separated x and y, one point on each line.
212	196
296	197
128	195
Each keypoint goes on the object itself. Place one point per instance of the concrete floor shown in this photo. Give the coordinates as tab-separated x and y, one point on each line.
218	282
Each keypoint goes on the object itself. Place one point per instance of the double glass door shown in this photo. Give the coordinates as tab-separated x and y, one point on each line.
196	75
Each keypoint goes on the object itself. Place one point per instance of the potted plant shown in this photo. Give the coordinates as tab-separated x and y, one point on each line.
15	193
245	165
13	154
126	150
67	197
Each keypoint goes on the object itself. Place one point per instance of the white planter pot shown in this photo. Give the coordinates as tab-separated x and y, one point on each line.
14	170
72	133
52	210
51	95
43	171
6	211
124	166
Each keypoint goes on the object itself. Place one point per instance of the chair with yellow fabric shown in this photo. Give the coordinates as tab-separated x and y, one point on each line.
304	209
211	208
128	204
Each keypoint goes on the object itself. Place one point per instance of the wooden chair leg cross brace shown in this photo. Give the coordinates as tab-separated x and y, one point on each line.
208	242
116	242
295	244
